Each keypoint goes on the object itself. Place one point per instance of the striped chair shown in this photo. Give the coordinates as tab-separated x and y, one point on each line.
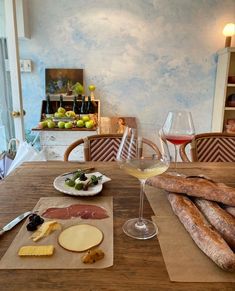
210	147
103	147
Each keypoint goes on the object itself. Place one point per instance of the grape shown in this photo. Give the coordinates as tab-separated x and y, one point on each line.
31	226
37	220
32	216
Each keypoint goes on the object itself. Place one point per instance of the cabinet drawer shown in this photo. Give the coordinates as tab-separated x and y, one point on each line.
63	138
57	153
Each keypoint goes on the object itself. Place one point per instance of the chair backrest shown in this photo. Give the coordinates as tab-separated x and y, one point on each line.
103	147
210	147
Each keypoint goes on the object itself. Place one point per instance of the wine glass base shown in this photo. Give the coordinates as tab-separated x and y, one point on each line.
145	229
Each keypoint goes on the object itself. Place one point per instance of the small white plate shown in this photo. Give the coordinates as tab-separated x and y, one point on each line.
59	184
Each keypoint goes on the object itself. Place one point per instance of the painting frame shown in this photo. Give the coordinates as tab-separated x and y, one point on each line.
59	81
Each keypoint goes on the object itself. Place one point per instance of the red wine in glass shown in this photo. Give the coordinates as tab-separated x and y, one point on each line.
178	128
178	139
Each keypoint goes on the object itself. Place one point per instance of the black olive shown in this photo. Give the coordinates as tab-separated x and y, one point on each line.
83	177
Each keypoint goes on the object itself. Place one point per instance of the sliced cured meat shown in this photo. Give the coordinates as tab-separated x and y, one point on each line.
59	213
85	211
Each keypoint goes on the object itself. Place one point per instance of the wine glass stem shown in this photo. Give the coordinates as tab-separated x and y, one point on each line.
176	156
142	183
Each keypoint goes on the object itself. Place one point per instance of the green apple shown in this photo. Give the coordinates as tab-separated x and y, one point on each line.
58	115
91	88
70	114
61	110
89	124
68	125
61	124
80	123
50	124
77	88
85	118
42	124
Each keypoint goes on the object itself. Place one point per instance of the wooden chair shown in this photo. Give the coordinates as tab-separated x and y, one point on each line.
103	147
210	147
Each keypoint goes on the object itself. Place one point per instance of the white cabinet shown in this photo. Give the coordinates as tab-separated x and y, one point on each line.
223	110
55	142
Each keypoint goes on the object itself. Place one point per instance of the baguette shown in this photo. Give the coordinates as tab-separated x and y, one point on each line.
222	221
230	210
197	187
206	238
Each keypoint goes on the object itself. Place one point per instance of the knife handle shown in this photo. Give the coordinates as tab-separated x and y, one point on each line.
1	231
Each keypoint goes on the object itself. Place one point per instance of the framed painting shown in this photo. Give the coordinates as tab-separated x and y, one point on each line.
61	81
116	124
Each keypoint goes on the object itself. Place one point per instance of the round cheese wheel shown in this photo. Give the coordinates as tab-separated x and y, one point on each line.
80	237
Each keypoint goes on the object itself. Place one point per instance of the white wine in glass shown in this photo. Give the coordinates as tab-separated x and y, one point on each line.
133	161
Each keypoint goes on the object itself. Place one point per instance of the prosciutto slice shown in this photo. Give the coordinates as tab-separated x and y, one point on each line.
85	211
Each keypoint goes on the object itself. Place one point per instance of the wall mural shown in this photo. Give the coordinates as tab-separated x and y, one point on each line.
144	57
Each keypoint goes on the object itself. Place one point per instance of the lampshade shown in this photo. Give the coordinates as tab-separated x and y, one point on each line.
229	29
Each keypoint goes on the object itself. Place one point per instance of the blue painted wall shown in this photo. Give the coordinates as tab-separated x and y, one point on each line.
145	57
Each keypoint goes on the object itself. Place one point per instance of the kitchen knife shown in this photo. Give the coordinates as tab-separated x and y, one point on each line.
14	222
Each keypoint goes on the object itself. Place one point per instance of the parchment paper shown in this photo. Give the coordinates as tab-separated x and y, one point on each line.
185	262
62	259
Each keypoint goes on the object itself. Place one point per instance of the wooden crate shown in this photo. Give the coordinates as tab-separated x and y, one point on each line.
68	105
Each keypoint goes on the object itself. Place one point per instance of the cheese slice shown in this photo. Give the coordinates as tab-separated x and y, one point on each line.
45	229
80	237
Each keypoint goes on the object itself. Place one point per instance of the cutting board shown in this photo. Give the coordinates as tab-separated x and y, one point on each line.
62	259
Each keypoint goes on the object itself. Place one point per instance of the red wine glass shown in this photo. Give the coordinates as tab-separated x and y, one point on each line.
178	128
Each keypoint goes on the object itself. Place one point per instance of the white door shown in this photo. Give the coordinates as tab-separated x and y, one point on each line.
14	66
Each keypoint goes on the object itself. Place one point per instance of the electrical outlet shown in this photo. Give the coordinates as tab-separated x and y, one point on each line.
25	66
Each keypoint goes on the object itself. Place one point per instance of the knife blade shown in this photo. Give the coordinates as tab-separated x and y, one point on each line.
14	222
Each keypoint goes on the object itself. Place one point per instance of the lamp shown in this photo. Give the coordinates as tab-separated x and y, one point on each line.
229	31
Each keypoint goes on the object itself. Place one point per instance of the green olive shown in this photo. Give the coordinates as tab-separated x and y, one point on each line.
70	182
77	175
79	186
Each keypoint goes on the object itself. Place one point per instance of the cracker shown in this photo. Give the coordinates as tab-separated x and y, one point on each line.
46	250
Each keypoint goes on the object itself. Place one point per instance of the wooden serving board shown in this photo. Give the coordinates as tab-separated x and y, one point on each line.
62	259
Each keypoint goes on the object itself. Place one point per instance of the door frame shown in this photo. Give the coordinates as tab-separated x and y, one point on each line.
14	66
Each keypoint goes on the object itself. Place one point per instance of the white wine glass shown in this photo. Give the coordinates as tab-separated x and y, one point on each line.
177	129
133	161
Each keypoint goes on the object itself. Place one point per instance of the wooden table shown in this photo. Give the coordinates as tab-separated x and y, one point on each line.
138	265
